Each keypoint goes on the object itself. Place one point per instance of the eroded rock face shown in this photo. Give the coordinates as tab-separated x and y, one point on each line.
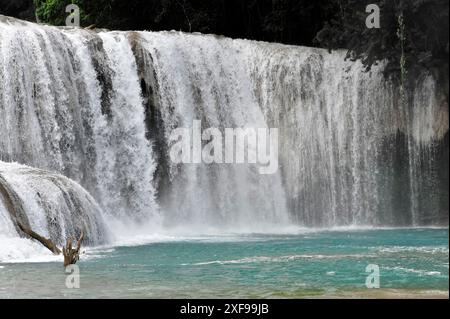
22	9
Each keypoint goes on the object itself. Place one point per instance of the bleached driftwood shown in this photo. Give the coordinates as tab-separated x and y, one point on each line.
71	255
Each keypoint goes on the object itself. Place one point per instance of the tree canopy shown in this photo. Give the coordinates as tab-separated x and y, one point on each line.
332	24
416	30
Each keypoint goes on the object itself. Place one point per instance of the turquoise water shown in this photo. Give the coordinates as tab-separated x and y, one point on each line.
311	264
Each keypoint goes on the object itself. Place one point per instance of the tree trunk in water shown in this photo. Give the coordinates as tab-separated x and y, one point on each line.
71	255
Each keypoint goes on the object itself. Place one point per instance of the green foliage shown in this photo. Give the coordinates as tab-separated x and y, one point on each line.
327	23
413	34
51	11
287	21
54	11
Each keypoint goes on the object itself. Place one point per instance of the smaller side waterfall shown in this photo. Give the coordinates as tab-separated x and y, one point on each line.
50	204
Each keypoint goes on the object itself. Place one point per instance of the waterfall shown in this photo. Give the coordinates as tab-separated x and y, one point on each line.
201	78
72	104
99	108
348	139
50	204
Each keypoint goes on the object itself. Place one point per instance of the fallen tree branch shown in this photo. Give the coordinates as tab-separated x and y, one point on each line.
44	241
71	255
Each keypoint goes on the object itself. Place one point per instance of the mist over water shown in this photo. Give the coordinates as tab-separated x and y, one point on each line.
99	108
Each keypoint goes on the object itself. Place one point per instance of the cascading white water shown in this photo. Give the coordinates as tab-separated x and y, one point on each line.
99	108
201	78
58	116
340	127
50	204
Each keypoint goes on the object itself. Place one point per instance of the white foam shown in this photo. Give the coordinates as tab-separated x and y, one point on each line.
21	250
16	250
419	249
279	259
126	233
132	234
415	271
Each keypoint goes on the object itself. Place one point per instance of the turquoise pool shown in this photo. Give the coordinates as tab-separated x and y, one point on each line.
412	262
